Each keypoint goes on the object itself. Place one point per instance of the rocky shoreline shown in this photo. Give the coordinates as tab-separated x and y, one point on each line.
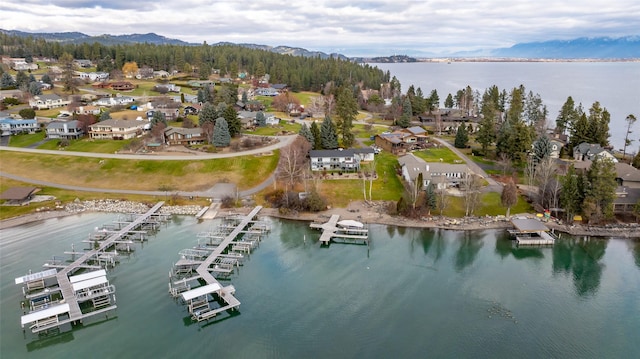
367	213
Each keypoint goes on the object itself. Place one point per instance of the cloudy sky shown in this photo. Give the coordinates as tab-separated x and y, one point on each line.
354	28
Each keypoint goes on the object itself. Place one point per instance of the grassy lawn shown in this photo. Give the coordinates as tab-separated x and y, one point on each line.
87	145
274	130
366	131
304	97
387	187
147	175
51	113
26	139
490	204
436	154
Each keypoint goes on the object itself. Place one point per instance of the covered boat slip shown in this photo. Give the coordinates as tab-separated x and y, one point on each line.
345	231
531	232
220	256
44	289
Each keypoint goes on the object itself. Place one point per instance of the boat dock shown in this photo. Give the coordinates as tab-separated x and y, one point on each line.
218	253
346	231
531	232
54	296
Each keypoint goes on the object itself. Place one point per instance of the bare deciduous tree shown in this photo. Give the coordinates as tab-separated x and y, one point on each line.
471	188
293	161
509	196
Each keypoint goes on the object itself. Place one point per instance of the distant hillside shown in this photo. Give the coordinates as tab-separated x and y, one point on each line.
386	59
152	38
582	48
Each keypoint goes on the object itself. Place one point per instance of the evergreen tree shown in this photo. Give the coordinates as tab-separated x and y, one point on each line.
346	109
22	80
462	138
630	119
579	132
261	119
221	135
419	103
245	97
571	195
567	116
158	117
207	114
201	98
599	124
448	102
34	89
68	82
233	122
431	199
434	101
405	118
317	138
541	148
306	133
601	187
6	81
328	134
636	160
46	79
105	115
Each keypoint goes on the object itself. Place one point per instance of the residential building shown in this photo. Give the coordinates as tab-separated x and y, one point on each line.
42	102
93	76
122	86
11	126
334	160
401	141
113	101
442	175
589	151
116	129
70	130
184	136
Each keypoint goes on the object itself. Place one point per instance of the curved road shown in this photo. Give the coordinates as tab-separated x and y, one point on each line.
283	142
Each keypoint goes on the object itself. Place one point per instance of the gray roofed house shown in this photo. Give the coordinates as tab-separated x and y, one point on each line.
184	136
589	151
70	130
334	160
441	175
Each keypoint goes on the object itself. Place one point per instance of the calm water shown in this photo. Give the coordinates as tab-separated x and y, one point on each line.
413	293
616	85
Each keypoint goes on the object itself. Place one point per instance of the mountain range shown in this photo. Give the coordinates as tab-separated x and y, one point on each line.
582	48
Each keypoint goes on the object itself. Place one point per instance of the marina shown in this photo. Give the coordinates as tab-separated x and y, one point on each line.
69	291
194	278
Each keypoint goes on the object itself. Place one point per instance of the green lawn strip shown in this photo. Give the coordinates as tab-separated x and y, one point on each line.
25	140
304	97
366	131
284	126
87	145
245	171
490	205
438	154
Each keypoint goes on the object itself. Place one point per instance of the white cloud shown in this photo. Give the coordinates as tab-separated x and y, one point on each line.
429	26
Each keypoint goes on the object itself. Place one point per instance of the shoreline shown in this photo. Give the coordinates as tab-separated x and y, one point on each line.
366	213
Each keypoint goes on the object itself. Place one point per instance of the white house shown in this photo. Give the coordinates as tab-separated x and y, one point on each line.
334	160
71	130
94	76
589	151
10	126
42	102
116	129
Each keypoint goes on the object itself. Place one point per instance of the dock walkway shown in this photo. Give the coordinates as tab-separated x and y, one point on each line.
331	230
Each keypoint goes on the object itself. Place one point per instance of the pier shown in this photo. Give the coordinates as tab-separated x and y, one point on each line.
531	232
346	231
218	252
58	295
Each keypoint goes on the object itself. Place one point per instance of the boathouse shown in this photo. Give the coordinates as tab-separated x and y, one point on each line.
530	231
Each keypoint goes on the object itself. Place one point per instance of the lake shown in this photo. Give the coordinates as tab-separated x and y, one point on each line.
616	85
411	294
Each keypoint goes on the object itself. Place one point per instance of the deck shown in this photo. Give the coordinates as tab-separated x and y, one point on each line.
331	231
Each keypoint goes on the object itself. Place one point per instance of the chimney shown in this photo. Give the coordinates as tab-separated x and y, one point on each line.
65	128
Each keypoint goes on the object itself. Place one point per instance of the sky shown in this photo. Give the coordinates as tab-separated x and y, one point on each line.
352	28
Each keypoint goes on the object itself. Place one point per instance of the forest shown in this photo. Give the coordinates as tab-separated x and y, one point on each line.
299	73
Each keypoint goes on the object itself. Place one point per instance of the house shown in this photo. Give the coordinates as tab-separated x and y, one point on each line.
121	86
271	119
184	136
334	160
192	109
70	130
83	63
267	91
24	66
627	175
400	141
366	154
19	196
87	110
167	88
42	102
588	151
161	74
116	129
200	83
94	76
170	114
556	147
280	87
626	199
113	101
442	175
10	126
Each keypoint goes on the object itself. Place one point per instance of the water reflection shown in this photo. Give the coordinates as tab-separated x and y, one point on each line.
470	245
636	253
505	247
391	231
581	258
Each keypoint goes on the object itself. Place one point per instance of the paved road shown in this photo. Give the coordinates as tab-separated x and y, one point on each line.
283	142
493	185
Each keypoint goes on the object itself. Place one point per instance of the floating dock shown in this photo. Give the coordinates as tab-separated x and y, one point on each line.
531	232
218	253
54	296
346	231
